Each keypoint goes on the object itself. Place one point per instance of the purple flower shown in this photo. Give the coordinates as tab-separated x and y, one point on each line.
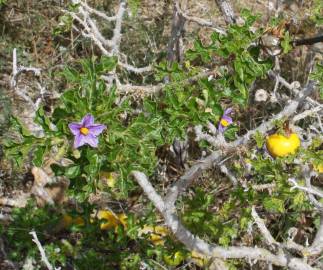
86	131
225	120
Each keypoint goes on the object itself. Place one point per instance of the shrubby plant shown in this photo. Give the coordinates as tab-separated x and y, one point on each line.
101	139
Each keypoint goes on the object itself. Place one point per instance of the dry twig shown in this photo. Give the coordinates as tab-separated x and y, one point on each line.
42	252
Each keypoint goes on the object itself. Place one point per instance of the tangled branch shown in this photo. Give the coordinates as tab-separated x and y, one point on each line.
167	206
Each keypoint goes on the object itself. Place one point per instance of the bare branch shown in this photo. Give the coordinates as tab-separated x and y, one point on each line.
264	186
263	229
307	113
199	21
290	86
149	190
117	30
95	30
317	246
135	69
17	70
155	89
98	13
19	201
193	242
89	34
107	47
310	190
216	141
226	10
229	174
289	110
173	49
42	252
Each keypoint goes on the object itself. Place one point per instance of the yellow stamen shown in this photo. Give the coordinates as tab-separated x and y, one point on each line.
224	122
84	130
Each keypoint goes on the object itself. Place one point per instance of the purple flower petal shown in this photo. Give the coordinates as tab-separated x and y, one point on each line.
227	118
221	128
79	140
228	111
86	132
96	129
91	140
87	120
75	128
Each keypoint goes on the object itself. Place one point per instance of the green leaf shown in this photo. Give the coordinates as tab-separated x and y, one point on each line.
298	199
42	119
230	132
134	5
260	139
238	67
39	156
15	122
73	171
286	43
108	63
71	75
274	205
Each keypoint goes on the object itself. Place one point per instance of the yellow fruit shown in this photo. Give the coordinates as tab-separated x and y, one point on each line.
280	146
174	259
156	233
112	219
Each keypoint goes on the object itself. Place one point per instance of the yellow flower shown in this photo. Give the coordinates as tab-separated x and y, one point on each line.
112	220
199	259
156	233
69	220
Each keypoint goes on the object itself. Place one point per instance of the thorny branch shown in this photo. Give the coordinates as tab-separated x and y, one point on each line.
193	242
42	252
117	30
199	21
216	156
227	11
317	246
167	206
108	47
263	229
174	49
290	244
291	86
309	189
16	71
155	89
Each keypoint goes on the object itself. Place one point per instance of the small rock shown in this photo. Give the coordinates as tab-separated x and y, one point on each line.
261	95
